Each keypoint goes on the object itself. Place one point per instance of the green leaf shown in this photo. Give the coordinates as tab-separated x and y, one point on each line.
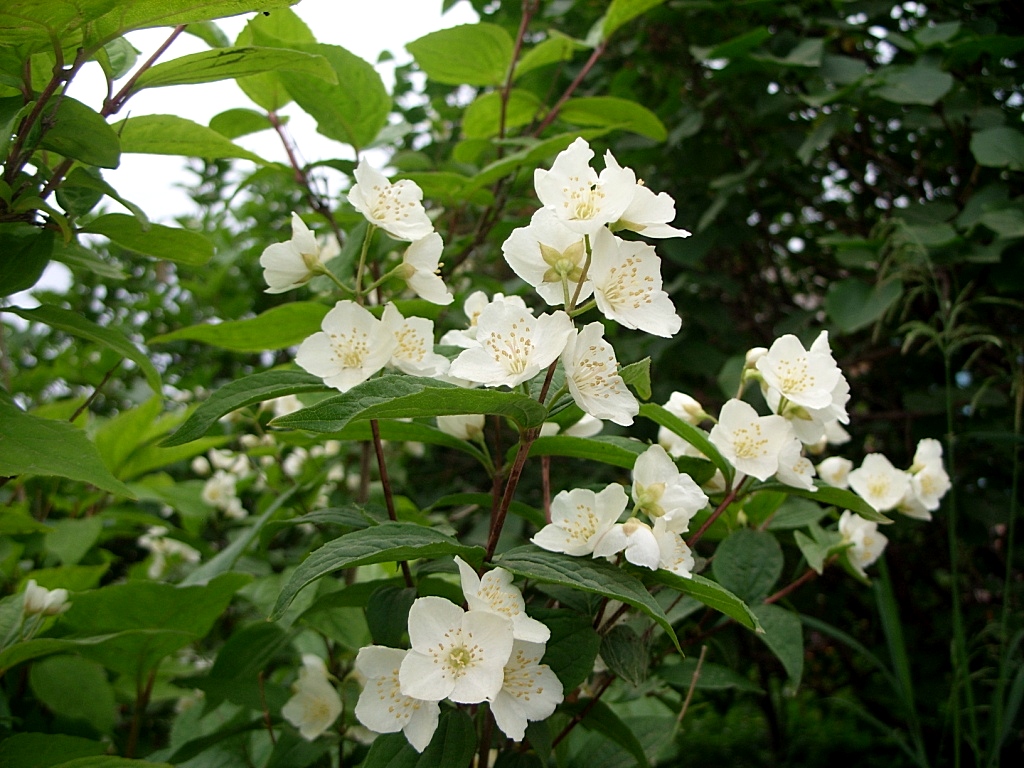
156	240
482	118
1005	222
734	47
385	543
795	512
279	327
77	132
612	112
75	688
588	575
231	63
573	646
387	614
616	451
30	445
695	436
397	397
283	29
240	393
352	111
748	563
783	634
27	251
836	497
713	677
712	594
44	750
806	53
999	148
638	376
470	54
626	654
244	657
917	84
141	14
557	48
174	135
75	324
110	761
70	539
233	123
621	12
601	719
453	744
176	616
936	34
853	304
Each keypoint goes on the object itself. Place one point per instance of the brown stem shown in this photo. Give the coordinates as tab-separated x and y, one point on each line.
553	113
729	498
605	683
112	105
484	756
545	484
529	7
385	482
693	686
809	575
95	393
266	710
141	702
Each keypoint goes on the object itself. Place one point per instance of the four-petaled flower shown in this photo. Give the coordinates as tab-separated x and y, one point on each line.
530	690
512	346
494	592
456	654
414	353
749	442
579	518
315	704
382	707
664	493
592	374
879	483
395	208
867	542
352	346
289	265
550	257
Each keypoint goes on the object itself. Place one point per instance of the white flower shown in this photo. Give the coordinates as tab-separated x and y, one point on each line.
235	463
868	543
512	346
201	466
421	263
545	254
530	690
414	353
647	213
879	483
627	285
294	462
928	451
383	708
795	469
289	265
803	377
165	551
575	193
352	346
835	470
469	426
315	705
42	601
476	303
587	426
663	493
579	518
592	373
219	489
458	655
494	592
929	481
282	406
749	442
689	410
674	554
635	538
395	208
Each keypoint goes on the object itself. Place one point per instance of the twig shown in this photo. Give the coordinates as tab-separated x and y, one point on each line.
729	498
266	710
693	686
553	113
385	482
95	393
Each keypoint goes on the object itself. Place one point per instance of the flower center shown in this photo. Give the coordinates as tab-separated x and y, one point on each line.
460	658
749	442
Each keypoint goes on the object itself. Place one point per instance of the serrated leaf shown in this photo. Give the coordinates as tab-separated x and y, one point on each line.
30	445
385	543
695	436
397	397
180	245
836	497
573	646
174	135
482	118
75	324
712	594
230	63
80	133
470	54
613	112
626	654
748	563
277	328
248	390
595	576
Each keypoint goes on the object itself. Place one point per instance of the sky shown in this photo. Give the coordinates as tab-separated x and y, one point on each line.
152	181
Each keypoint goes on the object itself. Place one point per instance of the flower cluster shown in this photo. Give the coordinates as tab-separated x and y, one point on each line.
490	652
586	523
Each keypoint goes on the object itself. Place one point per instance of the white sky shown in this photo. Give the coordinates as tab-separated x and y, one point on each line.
152	181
